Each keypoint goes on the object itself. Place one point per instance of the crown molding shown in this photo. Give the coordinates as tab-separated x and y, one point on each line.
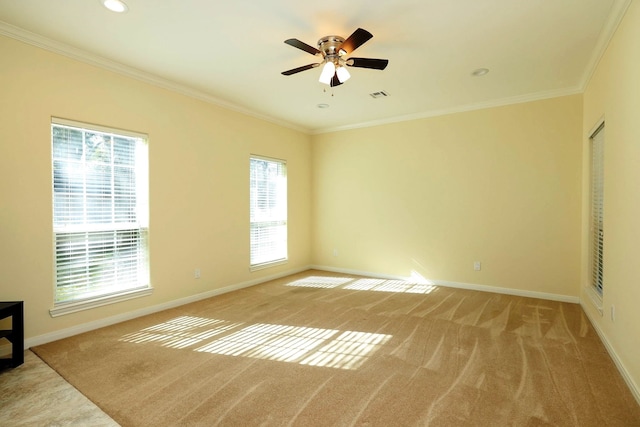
50	45
617	13
618	10
537	96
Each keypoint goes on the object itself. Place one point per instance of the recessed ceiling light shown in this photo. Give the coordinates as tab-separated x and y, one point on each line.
480	72
322	105
115	5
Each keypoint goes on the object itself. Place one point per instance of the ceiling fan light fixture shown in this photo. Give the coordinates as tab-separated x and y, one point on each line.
343	74
115	5
328	71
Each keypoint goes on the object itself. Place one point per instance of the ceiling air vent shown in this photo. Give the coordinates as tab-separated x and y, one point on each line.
380	94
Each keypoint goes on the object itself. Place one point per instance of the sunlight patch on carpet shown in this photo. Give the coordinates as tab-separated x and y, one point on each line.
320	282
180	332
295	344
307	346
273	342
347	351
382	285
418	286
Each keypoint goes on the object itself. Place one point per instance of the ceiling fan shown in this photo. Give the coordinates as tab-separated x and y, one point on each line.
334	51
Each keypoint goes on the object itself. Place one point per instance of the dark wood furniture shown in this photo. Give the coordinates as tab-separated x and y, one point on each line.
15	335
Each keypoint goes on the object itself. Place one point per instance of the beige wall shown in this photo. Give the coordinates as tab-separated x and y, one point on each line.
199	181
506	186
614	93
500	185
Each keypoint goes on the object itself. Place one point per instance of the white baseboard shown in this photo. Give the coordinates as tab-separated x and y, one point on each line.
469	286
635	390
100	323
85	327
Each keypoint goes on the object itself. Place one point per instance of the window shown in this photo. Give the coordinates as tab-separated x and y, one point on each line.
268	211
597	209
100	215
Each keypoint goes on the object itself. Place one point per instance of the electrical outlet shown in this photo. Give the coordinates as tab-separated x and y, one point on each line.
335	252
477	266
613	313
196	273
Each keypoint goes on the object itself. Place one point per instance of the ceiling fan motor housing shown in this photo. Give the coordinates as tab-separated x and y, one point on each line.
329	46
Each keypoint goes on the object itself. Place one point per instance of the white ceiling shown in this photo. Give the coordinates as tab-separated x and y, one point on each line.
231	53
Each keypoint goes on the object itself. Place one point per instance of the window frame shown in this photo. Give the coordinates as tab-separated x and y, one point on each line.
596	215
143	287
280	257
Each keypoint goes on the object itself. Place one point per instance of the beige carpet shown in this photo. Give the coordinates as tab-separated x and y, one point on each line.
320	349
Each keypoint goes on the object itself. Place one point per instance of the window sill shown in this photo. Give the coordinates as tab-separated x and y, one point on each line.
74	307
268	264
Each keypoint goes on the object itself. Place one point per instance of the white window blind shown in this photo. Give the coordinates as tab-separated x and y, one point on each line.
100	212
597	209
268	211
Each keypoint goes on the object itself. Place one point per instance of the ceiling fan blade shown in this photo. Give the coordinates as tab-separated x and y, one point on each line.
303	46
376	64
297	70
335	81
355	40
